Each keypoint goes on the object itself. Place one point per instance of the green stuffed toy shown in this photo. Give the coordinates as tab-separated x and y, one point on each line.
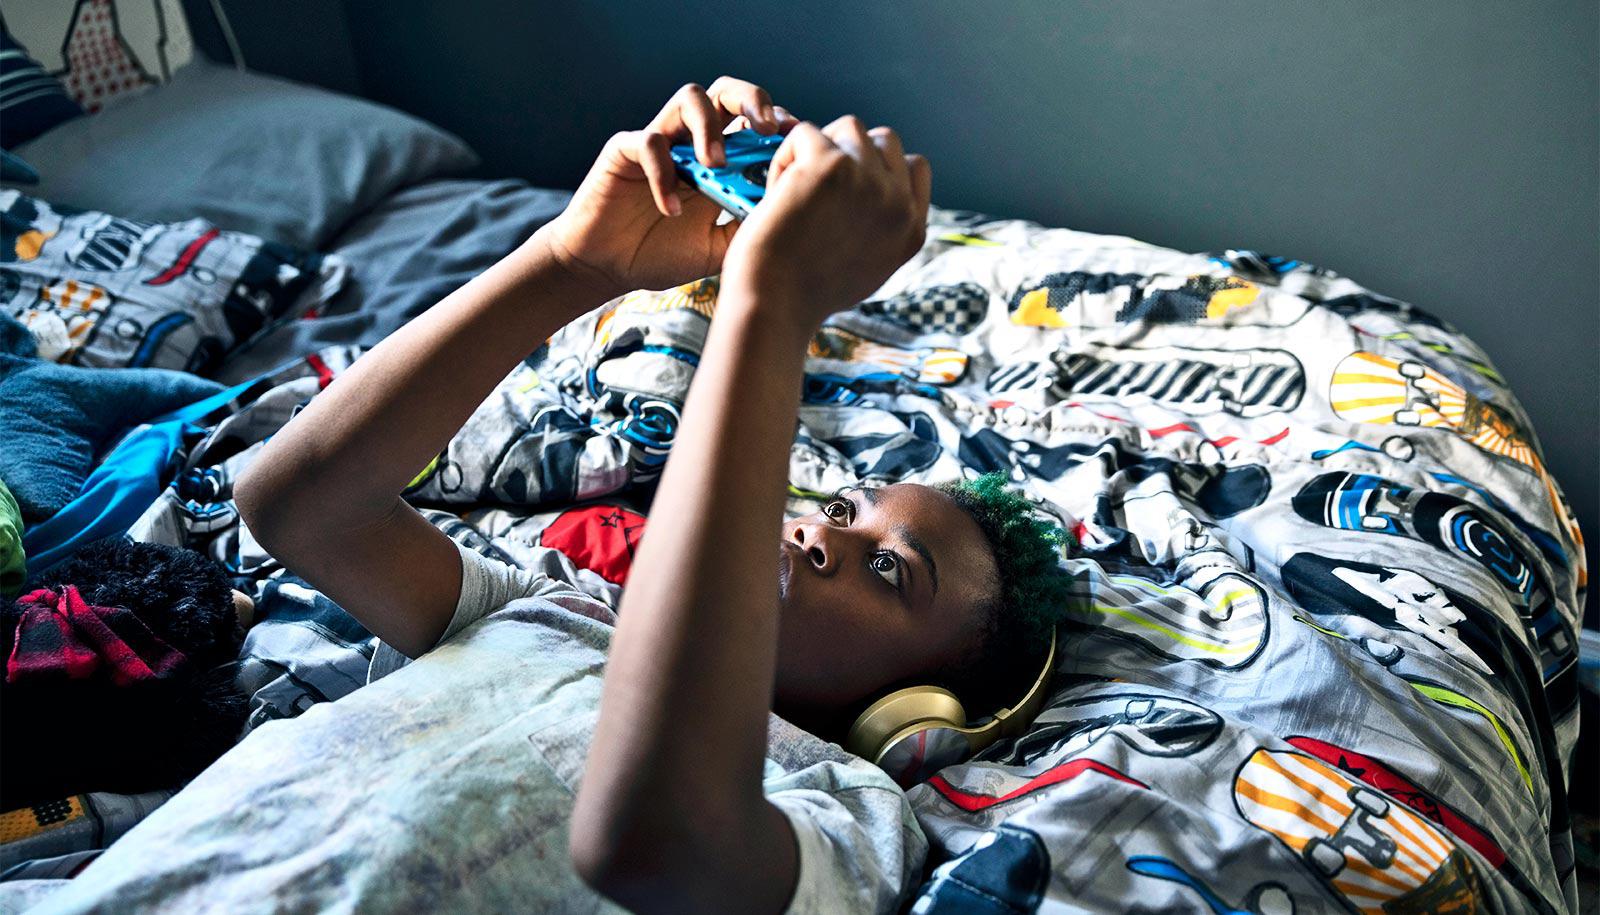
13	563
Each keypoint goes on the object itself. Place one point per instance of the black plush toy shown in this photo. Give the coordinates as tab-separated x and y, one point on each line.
119	673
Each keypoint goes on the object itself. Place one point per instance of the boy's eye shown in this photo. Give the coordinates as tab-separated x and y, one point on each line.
839	510
887	565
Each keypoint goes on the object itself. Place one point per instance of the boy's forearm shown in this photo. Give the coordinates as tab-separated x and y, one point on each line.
680	745
704	582
357	444
323	497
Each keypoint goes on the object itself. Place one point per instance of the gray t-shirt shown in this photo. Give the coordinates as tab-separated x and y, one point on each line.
447	784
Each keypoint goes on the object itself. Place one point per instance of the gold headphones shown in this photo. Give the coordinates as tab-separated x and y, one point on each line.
914	732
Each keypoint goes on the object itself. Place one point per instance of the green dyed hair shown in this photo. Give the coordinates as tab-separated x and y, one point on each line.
1030	599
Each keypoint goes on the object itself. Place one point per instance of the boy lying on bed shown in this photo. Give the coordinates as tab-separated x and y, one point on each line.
690	799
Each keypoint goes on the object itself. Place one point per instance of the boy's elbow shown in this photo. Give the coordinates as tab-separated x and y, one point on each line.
592	861
633	870
265	504
606	868
250	497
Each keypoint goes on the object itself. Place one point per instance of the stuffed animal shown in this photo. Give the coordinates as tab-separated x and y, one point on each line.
119	673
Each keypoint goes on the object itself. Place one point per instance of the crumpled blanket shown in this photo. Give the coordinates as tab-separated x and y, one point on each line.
1322	655
58	838
58	419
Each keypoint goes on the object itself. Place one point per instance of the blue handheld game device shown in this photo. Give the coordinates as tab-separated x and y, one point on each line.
738	186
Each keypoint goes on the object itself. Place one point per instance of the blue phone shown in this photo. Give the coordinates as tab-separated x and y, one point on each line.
738	186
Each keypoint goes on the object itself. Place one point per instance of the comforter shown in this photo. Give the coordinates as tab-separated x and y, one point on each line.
1322	654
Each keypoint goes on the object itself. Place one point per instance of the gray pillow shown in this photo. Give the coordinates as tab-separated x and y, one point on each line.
250	153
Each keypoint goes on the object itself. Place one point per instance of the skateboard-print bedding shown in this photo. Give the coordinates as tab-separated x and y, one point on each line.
1321	656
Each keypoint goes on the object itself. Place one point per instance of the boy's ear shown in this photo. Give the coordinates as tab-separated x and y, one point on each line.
244	607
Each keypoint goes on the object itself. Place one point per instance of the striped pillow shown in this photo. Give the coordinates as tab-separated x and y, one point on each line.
31	100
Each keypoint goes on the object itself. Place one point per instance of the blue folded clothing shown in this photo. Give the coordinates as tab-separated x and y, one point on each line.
56	420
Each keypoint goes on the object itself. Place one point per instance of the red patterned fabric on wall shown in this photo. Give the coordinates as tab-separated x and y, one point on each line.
100	65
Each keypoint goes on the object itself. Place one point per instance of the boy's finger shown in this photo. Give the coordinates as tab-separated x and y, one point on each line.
849	134
739	97
651	151
705	123
803	141
921	182
786	120
888	143
727	98
691	112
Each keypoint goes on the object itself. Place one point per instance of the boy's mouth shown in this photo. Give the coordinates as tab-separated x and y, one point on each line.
787	553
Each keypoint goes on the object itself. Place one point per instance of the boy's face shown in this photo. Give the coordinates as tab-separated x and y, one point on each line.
879	586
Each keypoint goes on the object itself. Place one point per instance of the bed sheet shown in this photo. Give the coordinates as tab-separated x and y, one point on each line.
409	251
1323	648
1322	655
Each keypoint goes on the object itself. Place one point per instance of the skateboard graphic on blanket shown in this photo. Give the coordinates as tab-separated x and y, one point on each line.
855	357
1401	600
1214	617
1376	854
698	297
1051	753
1402	789
953	308
1153	724
1263	899
1369	388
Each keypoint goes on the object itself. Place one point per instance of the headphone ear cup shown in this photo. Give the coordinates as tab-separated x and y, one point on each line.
912	733
916	753
906	709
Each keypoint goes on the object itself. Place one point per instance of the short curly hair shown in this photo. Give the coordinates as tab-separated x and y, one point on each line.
1030	599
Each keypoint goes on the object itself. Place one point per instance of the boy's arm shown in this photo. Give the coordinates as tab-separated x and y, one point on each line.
671	814
323	497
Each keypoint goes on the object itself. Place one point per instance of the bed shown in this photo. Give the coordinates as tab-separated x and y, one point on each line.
1323	650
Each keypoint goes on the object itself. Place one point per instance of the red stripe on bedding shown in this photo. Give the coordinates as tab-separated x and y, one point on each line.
1063	773
181	266
324	374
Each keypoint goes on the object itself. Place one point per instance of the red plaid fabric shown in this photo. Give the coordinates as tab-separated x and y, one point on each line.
62	636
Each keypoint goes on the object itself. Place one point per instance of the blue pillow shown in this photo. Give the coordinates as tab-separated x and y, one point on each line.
31	100
251	153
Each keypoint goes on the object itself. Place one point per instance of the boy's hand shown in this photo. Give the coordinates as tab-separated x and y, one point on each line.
845	207
632	223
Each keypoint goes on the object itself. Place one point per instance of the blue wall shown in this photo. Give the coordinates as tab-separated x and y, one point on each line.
1442	153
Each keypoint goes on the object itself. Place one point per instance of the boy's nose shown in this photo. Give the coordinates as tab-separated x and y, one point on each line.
813	542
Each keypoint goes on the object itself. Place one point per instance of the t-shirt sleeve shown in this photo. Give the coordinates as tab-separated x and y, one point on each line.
487	585
861	849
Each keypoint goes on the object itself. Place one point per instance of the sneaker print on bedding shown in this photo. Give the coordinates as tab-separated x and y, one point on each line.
1369	388
1372	505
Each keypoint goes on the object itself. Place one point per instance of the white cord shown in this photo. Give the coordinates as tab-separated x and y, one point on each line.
227	33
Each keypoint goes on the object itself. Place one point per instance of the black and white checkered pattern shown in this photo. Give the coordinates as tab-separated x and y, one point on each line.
953	309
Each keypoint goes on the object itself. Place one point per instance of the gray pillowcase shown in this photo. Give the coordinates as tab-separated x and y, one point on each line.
250	153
